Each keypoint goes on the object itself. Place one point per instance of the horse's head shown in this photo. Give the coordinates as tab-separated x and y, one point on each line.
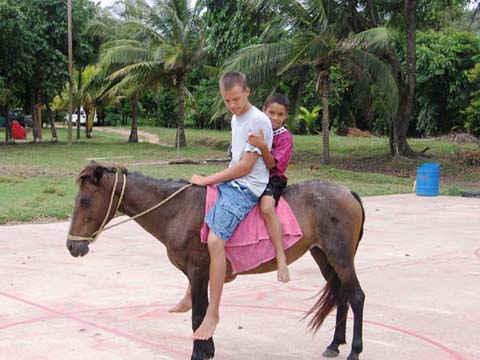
95	205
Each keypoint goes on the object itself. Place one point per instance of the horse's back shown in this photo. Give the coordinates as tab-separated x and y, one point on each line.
326	212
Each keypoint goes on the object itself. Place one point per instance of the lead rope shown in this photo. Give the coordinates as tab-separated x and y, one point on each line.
150	209
94	236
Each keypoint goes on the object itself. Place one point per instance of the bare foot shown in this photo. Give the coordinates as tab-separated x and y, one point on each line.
207	328
183	306
283	275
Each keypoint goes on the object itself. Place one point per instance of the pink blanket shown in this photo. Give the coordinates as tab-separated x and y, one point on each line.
250	244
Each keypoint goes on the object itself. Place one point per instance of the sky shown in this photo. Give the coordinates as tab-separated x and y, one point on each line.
105	3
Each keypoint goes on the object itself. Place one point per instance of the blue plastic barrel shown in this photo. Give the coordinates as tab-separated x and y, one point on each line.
428	178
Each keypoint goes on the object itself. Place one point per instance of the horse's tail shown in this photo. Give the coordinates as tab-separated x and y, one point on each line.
329	298
357	197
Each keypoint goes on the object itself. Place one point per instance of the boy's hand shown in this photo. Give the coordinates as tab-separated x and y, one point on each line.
199	180
256	140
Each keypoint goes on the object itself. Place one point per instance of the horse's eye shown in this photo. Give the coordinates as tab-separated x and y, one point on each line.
85	201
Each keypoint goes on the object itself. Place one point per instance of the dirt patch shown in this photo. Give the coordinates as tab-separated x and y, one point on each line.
469	158
354	132
28	171
460	139
212	143
143	135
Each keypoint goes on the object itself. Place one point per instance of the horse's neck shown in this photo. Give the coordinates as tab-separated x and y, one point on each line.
141	194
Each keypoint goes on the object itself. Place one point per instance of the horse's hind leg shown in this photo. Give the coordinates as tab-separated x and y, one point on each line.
202	349
356	298
339	336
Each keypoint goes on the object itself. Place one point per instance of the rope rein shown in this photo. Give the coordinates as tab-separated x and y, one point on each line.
95	235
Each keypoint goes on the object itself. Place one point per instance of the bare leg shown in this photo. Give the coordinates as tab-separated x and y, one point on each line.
267	205
218	268
185	304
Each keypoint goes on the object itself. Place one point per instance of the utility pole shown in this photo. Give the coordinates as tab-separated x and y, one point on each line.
70	72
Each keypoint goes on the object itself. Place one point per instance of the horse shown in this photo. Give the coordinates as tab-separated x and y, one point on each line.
330	216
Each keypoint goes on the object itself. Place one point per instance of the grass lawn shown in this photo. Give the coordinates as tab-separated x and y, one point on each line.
38	180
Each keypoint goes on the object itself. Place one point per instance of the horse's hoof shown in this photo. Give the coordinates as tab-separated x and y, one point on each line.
329	353
353	356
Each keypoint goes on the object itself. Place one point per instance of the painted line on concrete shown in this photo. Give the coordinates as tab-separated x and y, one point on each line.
55	314
454	355
99	326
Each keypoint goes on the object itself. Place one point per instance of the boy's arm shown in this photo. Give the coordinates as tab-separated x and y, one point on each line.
283	153
240	169
258	140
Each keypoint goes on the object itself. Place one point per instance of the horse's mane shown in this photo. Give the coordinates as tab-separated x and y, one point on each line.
88	172
163	183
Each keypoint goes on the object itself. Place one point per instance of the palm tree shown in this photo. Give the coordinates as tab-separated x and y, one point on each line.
311	42
158	45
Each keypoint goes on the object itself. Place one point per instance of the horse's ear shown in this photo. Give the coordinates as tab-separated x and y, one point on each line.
97	174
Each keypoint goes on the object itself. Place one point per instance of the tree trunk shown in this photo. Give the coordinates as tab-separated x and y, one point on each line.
410	15
89	114
322	86
399	128
34	115
51	118
35	118
406	88
39	118
8	128
134	130
181	140
79	103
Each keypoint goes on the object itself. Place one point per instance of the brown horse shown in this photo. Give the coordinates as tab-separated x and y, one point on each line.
331	218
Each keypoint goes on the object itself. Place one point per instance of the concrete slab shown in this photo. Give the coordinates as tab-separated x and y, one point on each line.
419	265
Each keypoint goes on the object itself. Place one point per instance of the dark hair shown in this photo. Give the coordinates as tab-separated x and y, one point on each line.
277	98
231	79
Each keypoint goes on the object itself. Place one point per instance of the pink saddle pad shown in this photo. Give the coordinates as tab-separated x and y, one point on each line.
250	244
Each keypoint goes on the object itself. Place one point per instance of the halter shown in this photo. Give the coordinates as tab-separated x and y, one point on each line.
95	235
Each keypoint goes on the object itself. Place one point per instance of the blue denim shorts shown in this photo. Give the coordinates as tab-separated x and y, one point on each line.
233	204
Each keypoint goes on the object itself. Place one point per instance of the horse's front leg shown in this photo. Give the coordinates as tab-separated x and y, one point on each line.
202	349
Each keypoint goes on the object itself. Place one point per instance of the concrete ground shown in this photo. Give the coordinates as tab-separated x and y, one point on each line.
418	263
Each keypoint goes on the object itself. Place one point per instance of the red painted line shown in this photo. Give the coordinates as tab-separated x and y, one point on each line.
29	321
454	355
99	326
477	252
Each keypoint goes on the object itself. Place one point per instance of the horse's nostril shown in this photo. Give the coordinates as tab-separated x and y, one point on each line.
69	246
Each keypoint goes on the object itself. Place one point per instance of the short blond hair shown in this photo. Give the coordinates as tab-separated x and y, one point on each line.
231	79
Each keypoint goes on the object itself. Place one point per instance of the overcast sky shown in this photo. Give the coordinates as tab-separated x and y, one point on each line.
104	3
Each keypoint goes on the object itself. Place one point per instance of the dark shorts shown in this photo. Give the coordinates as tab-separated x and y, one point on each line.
233	204
275	188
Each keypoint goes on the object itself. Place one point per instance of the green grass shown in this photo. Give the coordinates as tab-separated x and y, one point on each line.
38	180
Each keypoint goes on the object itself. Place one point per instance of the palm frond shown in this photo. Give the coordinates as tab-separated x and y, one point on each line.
318	17
125	55
259	62
138	70
103	29
375	40
142	30
379	73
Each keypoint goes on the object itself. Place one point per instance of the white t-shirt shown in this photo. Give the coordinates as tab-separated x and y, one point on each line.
251	122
